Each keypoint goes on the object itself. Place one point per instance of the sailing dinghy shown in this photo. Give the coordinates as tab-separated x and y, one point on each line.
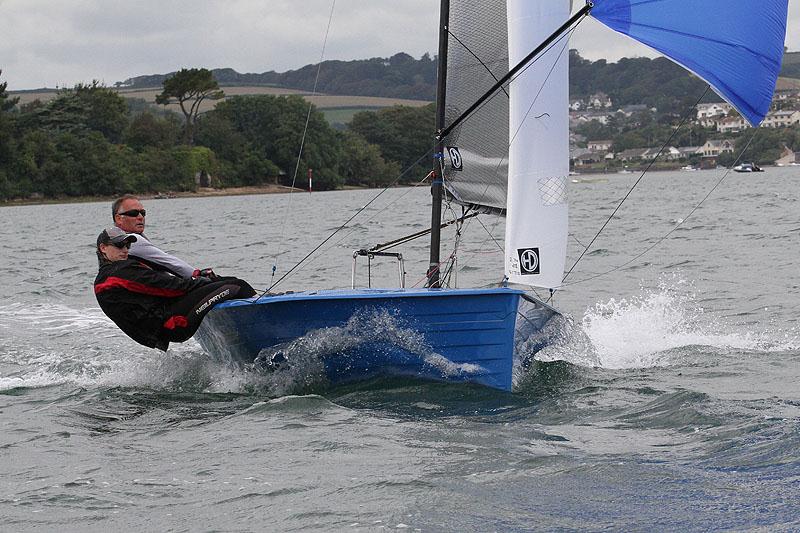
501	149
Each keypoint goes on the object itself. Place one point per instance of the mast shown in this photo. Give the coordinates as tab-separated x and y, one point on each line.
437	185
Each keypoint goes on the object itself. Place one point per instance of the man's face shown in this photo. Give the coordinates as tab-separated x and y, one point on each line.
128	222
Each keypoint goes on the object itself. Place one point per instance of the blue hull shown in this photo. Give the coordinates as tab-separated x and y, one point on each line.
460	335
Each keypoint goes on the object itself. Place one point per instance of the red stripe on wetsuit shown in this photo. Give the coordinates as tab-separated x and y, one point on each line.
176	321
134	286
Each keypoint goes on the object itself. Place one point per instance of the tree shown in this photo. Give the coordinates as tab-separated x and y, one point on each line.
362	164
239	162
273	126
6	102
147	129
404	134
6	135
82	109
189	88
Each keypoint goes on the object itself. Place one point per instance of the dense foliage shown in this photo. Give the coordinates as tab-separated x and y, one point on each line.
656	82
89	141
790	68
399	76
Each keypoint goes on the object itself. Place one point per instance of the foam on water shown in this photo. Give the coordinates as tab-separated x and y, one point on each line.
642	330
47	345
53	344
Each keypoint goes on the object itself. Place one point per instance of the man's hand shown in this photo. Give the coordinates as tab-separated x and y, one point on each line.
205	273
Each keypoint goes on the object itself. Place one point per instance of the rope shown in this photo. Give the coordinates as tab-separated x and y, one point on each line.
566	35
337	230
535	98
370	219
302	141
670	232
644	172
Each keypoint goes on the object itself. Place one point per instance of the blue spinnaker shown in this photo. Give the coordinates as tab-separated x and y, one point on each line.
734	45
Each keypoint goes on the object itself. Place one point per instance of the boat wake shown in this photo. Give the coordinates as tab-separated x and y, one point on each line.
649	329
51	345
47	345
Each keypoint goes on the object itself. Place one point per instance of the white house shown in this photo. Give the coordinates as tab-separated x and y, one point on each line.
582	117
600	146
716	147
733	124
670	153
712	110
781	119
600	101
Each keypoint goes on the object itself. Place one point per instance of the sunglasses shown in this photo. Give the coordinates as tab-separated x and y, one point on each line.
133	213
121	245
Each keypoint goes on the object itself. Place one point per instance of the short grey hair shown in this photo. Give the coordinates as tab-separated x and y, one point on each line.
118	201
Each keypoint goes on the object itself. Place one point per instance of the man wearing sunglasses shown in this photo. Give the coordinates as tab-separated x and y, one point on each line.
149	305
129	216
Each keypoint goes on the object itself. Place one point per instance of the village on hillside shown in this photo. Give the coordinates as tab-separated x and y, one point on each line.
721	121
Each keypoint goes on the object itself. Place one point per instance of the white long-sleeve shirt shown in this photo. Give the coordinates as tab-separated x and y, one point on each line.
144	249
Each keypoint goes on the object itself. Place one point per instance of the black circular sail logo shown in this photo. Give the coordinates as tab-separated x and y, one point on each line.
528	260
455	158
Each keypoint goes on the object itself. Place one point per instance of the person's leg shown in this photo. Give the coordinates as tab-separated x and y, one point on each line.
245	290
185	316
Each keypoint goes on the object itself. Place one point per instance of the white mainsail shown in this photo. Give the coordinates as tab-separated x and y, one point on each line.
537	211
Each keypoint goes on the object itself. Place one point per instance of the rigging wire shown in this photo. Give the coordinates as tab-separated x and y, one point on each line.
297	265
344	225
558	34
302	142
566	35
670	232
473	54
385	207
636	183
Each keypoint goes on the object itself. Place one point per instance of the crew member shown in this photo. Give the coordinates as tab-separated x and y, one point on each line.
129	216
151	306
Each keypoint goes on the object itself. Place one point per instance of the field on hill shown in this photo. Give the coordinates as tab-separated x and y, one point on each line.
787	84
337	109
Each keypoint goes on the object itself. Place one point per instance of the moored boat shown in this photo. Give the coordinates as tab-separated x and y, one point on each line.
747	167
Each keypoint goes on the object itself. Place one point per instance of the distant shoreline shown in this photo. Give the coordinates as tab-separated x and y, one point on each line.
202	192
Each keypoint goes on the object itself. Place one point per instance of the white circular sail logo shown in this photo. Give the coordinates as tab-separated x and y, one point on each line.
528	260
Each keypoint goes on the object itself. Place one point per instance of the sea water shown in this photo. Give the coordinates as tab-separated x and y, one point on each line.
671	400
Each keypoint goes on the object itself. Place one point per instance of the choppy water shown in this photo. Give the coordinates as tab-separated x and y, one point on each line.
672	403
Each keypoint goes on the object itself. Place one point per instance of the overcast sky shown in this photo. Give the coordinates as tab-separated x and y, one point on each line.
48	43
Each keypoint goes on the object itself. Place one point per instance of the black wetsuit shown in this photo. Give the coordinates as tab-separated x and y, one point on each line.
155	308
